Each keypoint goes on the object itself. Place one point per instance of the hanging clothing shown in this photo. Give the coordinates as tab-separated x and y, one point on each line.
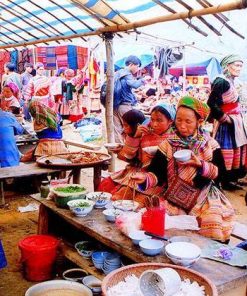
165	58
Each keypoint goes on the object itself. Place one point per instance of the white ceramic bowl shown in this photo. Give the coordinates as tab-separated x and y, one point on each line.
183	250
58	285
112	214
100	198
81	207
137	236
92	283
182	155
183	262
150	150
151	247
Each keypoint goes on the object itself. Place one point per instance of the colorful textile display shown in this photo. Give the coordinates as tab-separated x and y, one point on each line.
14	58
72	57
41	55
82	56
23	57
51	57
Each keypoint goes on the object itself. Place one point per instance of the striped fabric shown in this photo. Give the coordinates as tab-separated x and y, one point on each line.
51	57
50	147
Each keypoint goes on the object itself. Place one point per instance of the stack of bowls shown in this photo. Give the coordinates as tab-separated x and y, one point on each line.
183	253
112	262
137	236
98	258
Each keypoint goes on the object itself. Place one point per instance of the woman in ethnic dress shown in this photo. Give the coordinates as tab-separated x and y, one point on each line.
212	209
230	131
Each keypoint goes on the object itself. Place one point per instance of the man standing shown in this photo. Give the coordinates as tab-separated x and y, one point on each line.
25	78
126	98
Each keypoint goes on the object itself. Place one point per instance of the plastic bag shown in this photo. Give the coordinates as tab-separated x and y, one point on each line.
129	221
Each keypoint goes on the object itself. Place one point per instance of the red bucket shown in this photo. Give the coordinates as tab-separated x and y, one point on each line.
38	254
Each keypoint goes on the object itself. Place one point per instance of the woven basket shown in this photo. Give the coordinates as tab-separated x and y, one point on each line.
120	274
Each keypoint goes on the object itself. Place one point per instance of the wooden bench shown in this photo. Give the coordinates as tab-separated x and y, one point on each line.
23	170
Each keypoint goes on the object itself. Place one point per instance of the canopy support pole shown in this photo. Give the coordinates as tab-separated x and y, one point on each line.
184	70
108	37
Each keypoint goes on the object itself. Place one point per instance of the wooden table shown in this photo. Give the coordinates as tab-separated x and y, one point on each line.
32	169
23	170
225	277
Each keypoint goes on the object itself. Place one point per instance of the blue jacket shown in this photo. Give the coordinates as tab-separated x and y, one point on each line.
128	82
9	127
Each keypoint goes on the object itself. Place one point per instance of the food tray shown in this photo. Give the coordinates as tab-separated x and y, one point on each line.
74	159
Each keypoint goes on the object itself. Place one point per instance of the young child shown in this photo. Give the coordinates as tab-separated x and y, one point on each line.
142	145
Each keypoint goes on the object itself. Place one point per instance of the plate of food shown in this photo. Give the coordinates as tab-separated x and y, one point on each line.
125	205
74	159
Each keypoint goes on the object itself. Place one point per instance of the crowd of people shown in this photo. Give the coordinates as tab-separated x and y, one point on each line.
34	97
217	159
175	122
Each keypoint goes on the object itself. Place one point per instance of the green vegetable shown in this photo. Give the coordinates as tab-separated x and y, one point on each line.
85	246
82	204
70	189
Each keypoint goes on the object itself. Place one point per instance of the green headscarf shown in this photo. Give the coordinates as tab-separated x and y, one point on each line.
198	106
231	58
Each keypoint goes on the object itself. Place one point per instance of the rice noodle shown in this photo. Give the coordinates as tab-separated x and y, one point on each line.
130	287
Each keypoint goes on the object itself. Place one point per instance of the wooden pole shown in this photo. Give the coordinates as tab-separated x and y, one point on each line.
109	93
184	70
240	4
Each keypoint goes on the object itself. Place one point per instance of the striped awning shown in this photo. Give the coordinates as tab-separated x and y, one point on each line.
35	21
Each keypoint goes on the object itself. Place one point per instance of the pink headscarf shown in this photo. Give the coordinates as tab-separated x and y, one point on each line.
14	88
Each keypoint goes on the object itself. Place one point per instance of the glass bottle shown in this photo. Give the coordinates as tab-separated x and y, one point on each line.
44	189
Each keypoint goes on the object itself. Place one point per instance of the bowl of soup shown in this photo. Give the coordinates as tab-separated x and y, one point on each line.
59	288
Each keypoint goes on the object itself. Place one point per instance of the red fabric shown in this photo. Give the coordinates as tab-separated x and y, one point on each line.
75	118
4	58
108	185
61	50
231	108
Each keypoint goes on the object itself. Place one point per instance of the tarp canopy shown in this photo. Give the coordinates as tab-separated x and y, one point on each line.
23	22
31	21
210	67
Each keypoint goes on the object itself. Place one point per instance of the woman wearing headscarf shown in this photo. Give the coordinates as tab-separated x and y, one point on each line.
8	99
189	183
139	149
229	126
47	127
